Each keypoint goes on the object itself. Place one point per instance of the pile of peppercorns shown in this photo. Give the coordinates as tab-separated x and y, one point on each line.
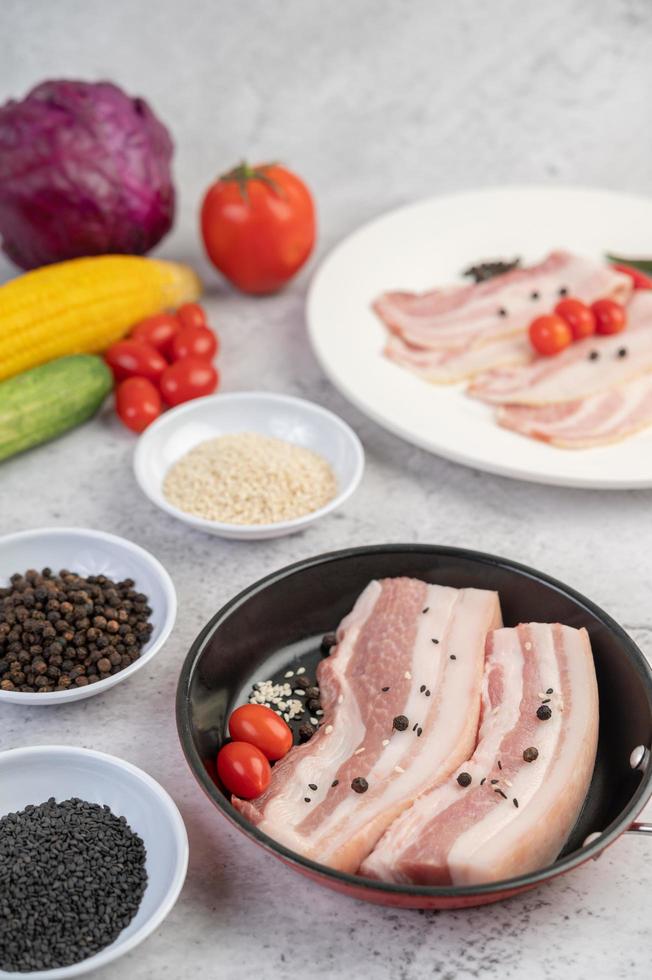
62	631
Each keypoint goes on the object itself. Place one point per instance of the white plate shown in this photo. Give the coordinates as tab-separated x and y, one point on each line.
429	243
90	552
33	775
281	416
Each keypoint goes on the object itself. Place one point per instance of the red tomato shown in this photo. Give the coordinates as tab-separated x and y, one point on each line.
131	359
258	225
610	316
137	403
578	316
189	378
243	769
157	331
640	280
550	335
195	342
262	727
191	315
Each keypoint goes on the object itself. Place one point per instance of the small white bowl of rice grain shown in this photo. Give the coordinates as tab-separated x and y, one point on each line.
249	465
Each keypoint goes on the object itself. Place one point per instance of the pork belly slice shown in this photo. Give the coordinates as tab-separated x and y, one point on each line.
461	316
450	366
584	423
577	372
407	649
476	834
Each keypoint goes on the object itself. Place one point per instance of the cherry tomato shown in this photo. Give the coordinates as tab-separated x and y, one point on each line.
262	727
195	342
137	403
243	769
258	225
640	280
550	335
578	316
610	316
189	378
157	331
191	315
131	359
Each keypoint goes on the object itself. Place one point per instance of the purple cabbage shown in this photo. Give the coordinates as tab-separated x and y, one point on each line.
84	170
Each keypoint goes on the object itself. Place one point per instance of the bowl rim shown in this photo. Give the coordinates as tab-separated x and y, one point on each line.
167	804
246	530
77	694
362	885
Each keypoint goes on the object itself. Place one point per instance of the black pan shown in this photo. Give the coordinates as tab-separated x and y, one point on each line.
279	622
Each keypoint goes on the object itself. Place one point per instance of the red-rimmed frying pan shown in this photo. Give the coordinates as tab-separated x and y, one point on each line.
281	620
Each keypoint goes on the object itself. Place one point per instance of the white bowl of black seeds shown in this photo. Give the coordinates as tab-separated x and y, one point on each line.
93	855
80	611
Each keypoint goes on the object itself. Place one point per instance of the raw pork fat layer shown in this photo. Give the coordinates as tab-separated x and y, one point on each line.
477	834
408	649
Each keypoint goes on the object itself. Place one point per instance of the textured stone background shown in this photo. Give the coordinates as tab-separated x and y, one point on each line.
376	103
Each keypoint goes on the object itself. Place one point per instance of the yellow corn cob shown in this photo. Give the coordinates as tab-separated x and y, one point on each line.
84	305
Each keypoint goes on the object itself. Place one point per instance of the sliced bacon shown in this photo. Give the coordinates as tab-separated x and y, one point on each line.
471	835
450	366
575	373
458	317
406	649
585	422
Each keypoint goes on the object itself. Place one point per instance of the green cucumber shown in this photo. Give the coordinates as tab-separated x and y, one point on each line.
46	401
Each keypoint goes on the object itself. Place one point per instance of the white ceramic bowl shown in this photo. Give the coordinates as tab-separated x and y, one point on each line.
33	775
91	553
282	416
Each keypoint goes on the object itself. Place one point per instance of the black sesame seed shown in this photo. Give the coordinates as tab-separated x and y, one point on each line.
502	311
359	785
426	609
494	781
434	640
422	688
535	295
400	723
500	765
544	713
483	780
549	691
622	352
312	786
335	782
594	355
464	779
500	792
306	799
546	701
419	732
515	802
453	657
384	689
415	726
427	694
563	291
531	754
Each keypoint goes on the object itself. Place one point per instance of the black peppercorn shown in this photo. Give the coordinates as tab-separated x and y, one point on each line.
400	723
544	712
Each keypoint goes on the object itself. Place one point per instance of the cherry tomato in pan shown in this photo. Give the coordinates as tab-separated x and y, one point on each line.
578	316
243	769
195	342
131	359
157	331
137	402
549	335
189	378
640	280
610	316
262	727
191	315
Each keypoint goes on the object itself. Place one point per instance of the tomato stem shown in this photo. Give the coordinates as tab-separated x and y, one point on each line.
244	172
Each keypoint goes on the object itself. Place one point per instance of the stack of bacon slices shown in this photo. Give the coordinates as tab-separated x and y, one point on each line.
452	750
597	391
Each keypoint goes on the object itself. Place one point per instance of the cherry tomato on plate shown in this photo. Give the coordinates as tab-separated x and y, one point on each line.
137	402
262	727
610	316
157	331
258	225
132	359
578	316
243	769
191	315
195	342
188	378
550	334
638	277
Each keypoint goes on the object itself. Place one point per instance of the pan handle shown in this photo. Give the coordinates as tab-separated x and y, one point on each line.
638	827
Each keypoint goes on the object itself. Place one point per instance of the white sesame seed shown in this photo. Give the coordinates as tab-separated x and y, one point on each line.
289	673
301	670
408	675
319	711
385	741
328	729
398	769
527	645
299	693
358	751
508	782
314	721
